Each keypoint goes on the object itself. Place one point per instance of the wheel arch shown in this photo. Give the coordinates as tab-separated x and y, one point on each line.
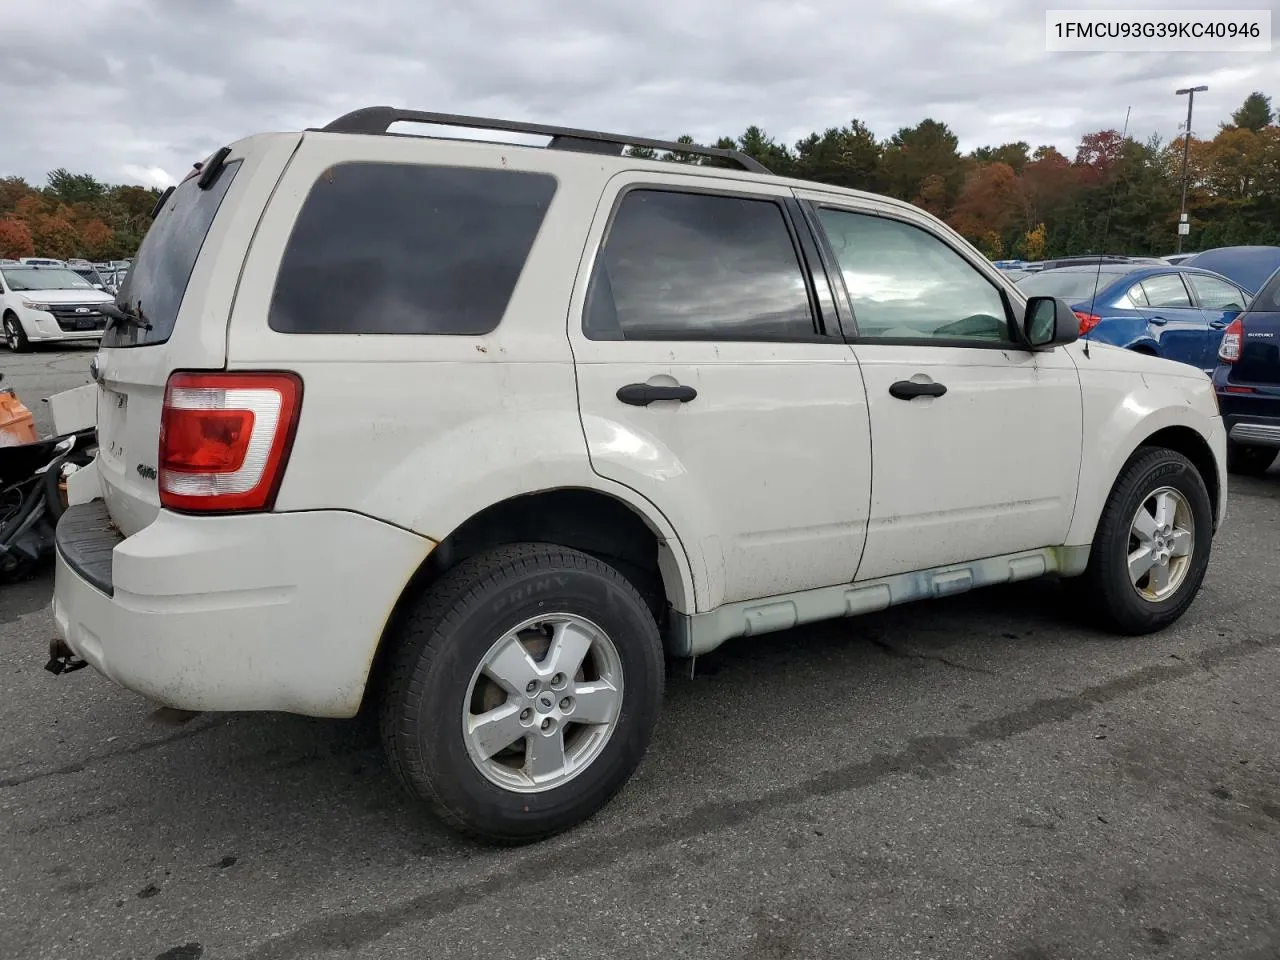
1192	445
637	541
1157	415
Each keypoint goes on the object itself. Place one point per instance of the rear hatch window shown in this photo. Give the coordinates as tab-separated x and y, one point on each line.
156	283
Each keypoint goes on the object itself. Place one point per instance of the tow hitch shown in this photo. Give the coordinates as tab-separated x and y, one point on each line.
62	659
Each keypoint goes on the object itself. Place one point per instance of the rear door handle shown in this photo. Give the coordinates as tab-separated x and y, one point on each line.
1159	320
909	390
1217	324
643	394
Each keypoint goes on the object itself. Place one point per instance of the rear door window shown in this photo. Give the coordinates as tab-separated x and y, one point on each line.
1166	290
395	248
684	265
157	282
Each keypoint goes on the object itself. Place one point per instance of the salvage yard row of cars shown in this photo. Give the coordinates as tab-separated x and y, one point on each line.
653	408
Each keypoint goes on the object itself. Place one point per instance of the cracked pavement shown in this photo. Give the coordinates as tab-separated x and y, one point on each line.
976	777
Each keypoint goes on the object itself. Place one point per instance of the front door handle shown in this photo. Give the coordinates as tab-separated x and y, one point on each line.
1159	321
643	394
909	390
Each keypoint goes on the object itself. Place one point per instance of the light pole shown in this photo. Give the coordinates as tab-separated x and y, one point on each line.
1186	156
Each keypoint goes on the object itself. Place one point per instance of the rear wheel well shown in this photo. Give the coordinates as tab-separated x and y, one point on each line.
585	520
1144	348
1195	448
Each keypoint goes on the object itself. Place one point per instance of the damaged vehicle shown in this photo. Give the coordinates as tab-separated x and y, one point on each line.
477	435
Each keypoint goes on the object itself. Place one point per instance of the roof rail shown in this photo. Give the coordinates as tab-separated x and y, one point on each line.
380	119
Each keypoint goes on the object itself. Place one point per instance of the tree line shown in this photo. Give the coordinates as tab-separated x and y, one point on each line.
73	215
1116	195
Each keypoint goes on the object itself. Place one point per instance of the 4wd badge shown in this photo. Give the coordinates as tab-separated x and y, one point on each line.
147	472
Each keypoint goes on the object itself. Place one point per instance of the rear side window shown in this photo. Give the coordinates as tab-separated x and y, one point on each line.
1134	297
157	281
408	249
697	266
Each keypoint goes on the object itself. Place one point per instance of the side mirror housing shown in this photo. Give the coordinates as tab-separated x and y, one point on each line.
1049	322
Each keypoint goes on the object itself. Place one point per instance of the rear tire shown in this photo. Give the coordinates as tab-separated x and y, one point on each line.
14	335
1249	461
1159	504
487	641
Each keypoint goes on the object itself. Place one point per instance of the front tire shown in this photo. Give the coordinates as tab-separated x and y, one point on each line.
14	335
1249	461
1152	545
523	692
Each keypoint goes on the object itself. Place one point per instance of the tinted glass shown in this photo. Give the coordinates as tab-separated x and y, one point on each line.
396	248
158	281
44	278
1268	298
906	283
690	266
1166	290
1073	286
1215	294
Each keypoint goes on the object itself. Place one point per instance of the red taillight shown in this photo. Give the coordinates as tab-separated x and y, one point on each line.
1087	321
225	438
1229	348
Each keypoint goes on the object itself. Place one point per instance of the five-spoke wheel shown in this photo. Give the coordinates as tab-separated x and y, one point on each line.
524	687
543	702
1151	546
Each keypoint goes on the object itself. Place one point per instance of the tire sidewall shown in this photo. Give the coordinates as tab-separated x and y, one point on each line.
1176	472
18	342
472	630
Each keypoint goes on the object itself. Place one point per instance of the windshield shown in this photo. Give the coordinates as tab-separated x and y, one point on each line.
88	273
1070	285
157	281
44	278
1268	298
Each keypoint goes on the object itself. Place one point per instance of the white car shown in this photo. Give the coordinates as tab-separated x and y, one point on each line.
41	304
477	434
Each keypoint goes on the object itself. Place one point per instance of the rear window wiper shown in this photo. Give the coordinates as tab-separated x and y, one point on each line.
114	314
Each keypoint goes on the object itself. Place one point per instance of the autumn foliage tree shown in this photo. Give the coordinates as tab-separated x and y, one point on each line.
75	215
15	239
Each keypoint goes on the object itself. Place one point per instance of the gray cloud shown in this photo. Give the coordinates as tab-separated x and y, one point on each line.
134	89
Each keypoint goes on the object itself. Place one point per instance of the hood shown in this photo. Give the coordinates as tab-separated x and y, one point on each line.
80	295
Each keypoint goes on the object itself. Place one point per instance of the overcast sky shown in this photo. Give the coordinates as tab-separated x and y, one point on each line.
136	90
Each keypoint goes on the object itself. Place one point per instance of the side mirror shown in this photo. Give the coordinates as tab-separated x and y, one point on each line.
1049	322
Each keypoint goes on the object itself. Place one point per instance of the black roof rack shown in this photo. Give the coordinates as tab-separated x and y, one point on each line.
380	119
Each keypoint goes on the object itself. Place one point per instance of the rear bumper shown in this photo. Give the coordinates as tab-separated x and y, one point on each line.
1251	418
256	612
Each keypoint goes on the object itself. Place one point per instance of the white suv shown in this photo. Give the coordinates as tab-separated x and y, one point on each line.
41	304
476	433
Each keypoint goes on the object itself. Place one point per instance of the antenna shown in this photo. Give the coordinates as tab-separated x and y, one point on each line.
1106	229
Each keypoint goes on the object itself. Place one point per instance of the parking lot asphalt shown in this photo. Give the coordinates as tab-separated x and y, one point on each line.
975	777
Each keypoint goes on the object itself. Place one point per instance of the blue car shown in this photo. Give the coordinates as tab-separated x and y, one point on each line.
1247	381
1174	312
